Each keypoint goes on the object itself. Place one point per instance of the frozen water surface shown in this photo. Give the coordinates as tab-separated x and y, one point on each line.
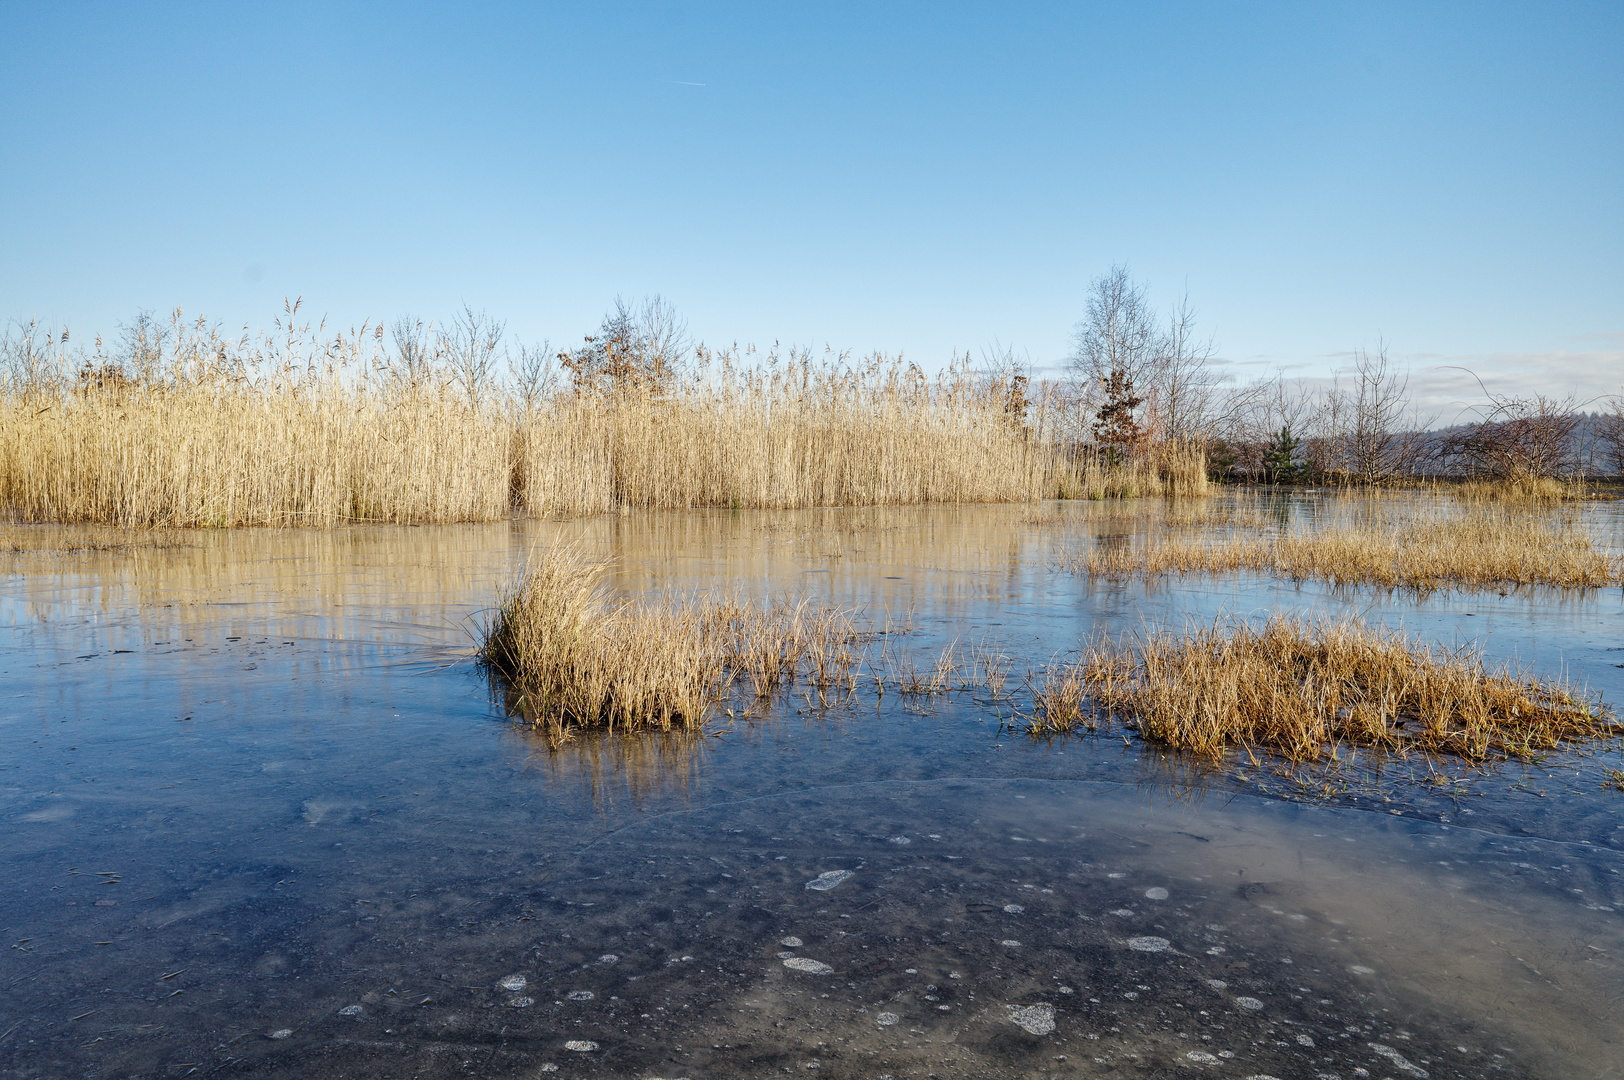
263	818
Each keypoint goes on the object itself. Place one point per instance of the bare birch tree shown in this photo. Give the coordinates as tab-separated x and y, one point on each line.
1114	352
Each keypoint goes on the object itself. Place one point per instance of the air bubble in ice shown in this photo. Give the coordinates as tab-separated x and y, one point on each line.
1249	1003
1360	969
791	942
512	982
1011	942
899	840
886	1019
280	1033
579	995
521	1002
1013	909
581	1046
1148	944
608	958
1201	1057
1157	893
828	880
351	1010
809	967
1032	1019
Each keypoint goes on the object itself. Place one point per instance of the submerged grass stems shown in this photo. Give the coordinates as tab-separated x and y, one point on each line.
1483	549
1299	688
572	655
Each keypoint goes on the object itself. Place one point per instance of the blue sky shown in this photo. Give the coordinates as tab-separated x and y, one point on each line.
915	177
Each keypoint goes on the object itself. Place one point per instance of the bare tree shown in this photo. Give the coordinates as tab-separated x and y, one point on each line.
414	362
636	348
1183	379
535	374
1114	354
1369	433
470	347
143	346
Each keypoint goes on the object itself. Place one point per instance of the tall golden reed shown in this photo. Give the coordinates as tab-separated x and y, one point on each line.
307	429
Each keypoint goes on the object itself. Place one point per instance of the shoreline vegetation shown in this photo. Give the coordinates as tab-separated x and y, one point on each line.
318	429
1484	546
176	423
568	656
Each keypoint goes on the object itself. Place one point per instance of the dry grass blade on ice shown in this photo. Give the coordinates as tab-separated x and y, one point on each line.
1300	687
574	655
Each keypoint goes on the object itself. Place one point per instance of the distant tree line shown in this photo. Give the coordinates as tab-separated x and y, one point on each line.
1140	379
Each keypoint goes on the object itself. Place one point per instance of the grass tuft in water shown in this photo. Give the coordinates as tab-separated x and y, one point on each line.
1300	687
573	655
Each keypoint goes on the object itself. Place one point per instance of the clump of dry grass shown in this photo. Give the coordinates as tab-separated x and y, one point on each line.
573	655
1518	490
1169	470
1300	687
1484	549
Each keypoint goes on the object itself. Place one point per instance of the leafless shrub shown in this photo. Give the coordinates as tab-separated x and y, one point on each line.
1522	438
1368	430
1184	387
635	349
534	375
413	362
471	349
1610	434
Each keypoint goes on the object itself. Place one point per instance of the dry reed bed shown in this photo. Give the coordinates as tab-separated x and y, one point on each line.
571	655
1299	688
1481	549
309	430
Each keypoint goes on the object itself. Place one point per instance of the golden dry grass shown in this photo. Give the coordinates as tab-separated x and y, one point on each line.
1300	687
215	452
1483	548
1176	471
1519	490
314	429
572	655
